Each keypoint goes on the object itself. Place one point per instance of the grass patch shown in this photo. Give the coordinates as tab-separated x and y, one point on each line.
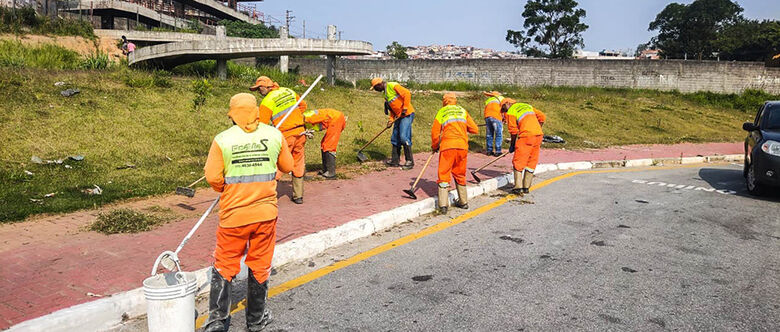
125	220
25	20
146	119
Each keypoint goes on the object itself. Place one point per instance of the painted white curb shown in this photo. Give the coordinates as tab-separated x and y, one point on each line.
106	313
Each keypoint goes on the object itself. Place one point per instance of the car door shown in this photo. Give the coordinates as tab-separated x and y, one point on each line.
754	137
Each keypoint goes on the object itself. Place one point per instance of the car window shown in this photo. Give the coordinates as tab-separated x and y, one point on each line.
757	122
772	117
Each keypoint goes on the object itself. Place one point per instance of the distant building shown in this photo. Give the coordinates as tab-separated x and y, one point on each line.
603	55
650	55
449	52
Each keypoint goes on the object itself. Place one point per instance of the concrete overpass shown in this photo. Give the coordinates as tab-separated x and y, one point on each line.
219	10
116	8
152	37
224	48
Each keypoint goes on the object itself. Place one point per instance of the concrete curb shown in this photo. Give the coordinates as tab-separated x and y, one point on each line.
109	312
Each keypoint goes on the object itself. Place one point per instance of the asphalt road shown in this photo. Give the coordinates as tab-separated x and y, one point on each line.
605	251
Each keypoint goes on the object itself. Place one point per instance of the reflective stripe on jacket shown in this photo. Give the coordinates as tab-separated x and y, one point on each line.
493	107
278	103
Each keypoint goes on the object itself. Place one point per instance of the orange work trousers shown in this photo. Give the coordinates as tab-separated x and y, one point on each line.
527	153
232	244
297	144
332	135
453	161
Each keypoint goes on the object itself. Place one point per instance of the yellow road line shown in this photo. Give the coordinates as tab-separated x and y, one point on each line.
423	233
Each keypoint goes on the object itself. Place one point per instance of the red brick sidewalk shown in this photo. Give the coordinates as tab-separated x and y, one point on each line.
49	263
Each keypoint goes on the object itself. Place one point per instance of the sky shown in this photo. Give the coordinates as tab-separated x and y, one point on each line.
614	24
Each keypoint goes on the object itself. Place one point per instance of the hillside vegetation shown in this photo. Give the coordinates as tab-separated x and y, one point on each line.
141	132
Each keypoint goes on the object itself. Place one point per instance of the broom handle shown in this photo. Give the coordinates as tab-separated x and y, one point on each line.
423	170
299	101
491	162
195	228
196	181
373	139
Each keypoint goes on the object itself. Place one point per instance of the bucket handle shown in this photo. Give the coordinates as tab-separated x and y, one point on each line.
174	257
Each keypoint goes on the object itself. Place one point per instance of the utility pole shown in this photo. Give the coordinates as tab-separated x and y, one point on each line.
288	19
304	29
340	34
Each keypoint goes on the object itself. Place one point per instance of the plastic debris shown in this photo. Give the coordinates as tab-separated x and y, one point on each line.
68	166
93	191
29	173
49	195
553	139
37	201
38	160
70	92
93	294
126	166
76	157
59	83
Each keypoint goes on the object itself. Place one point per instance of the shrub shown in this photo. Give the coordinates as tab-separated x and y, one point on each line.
202	89
96	61
25	20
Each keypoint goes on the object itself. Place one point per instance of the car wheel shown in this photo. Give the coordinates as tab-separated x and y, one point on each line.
753	187
745	167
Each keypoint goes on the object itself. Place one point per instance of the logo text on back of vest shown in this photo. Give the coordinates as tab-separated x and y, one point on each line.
262	146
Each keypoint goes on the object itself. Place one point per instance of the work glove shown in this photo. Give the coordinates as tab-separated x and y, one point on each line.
403	114
512	145
390	123
387	108
309	133
436	149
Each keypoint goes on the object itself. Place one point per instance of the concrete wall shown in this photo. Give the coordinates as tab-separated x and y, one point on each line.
685	76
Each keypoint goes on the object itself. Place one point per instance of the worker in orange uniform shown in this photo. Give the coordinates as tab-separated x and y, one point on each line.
398	105
333	122
242	166
449	136
494	126
276	104
525	125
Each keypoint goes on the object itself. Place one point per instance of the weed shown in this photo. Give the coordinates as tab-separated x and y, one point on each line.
25	20
95	61
125	220
47	56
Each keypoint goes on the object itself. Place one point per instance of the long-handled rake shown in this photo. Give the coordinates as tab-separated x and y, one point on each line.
362	157
411	190
474	172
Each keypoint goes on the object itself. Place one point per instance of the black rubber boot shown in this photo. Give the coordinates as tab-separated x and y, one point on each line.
409	157
324	164
219	304
395	158
257	316
330	166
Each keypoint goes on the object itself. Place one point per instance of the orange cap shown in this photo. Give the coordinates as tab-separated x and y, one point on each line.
263	81
507	101
449	99
244	111
376	81
491	93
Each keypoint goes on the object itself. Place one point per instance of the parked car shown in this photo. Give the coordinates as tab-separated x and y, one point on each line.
762	150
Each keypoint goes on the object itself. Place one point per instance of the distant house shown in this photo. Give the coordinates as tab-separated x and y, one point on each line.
650	55
603	55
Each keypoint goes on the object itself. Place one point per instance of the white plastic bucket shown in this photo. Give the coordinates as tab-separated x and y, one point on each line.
170	301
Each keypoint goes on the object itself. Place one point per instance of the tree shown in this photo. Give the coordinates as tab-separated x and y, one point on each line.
749	40
248	30
553	28
692	29
397	51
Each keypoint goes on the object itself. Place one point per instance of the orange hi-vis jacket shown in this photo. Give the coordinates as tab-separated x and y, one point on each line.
277	104
493	107
321	118
399	98
242	165
524	120
451	128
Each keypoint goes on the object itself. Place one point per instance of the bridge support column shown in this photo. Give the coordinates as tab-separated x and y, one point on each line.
284	61
331	70
222	69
